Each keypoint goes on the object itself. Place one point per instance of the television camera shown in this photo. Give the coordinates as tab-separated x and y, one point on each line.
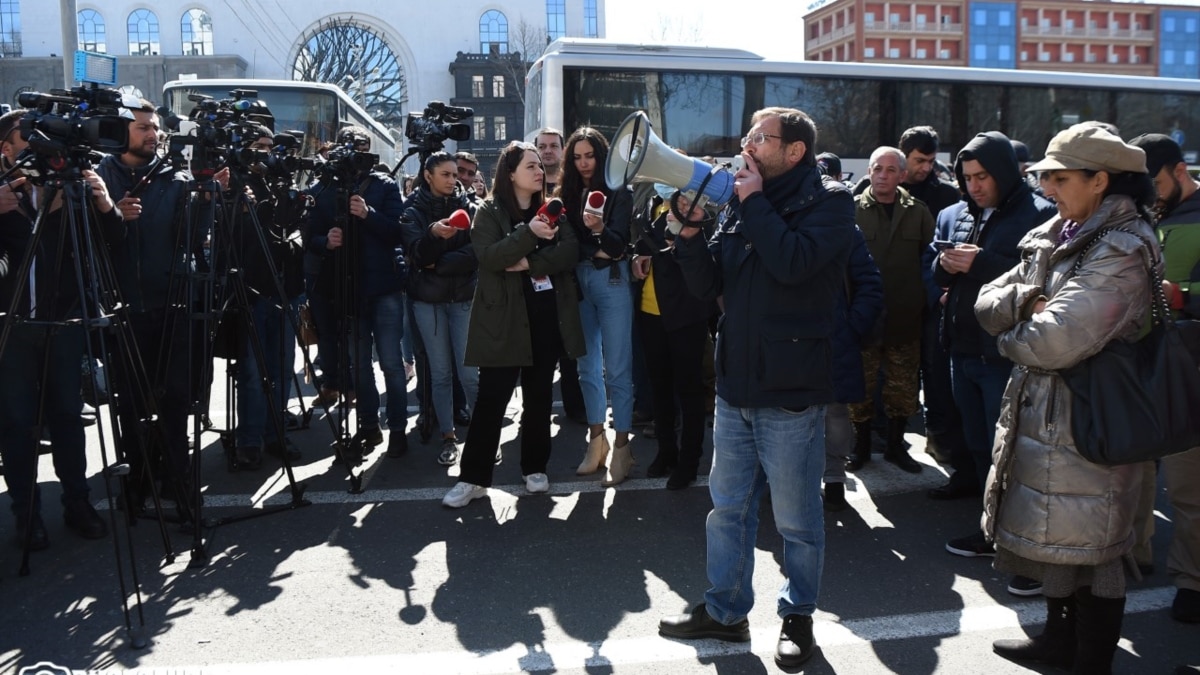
69	129
427	131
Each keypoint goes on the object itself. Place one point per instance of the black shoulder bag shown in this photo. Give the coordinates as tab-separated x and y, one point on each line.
1136	401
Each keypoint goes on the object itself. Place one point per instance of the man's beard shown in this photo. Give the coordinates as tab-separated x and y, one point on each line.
1164	207
143	152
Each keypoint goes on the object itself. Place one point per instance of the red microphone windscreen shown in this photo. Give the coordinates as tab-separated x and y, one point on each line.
596	200
460	220
552	210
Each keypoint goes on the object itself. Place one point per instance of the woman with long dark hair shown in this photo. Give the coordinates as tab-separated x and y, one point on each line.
606	307
442	272
525	314
1083	281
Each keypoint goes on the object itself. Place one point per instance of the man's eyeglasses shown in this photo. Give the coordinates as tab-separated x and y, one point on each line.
758	138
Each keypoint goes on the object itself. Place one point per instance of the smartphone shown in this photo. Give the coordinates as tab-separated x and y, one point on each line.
942	245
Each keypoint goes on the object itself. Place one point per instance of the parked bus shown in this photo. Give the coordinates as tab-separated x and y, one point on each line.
700	99
316	108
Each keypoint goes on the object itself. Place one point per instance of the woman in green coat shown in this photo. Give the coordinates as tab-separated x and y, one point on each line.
524	316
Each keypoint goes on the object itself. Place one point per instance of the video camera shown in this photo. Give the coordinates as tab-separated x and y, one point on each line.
68	129
427	131
217	130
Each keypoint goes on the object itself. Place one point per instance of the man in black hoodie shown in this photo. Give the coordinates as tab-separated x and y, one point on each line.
999	209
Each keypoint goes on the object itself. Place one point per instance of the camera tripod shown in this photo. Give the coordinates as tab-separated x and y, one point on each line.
80	267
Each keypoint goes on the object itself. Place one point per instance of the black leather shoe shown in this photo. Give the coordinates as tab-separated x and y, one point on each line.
462	417
698	625
902	460
38	539
79	515
368	438
953	490
289	448
796	644
681	477
397	444
662	465
248	457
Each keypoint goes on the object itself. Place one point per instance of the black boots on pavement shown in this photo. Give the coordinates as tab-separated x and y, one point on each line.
1081	634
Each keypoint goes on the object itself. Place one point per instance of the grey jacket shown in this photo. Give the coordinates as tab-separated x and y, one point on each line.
1043	500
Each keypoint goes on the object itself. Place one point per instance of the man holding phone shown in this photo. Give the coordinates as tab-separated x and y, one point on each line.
985	228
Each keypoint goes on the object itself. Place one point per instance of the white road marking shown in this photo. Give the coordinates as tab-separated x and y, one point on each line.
654	649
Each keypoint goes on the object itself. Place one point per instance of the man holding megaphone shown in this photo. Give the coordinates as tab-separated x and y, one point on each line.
778	260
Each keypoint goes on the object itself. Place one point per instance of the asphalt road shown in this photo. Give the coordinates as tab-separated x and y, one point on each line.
575	581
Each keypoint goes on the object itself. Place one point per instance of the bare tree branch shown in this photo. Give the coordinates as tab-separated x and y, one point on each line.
357	59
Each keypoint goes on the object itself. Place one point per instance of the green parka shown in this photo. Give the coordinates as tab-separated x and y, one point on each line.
498	335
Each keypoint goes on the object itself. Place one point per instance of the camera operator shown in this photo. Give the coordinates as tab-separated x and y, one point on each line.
278	211
39	365
375	208
152	262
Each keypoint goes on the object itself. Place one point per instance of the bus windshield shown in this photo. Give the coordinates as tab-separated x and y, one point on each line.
317	110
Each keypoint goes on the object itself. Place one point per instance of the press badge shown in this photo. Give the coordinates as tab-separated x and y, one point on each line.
542	284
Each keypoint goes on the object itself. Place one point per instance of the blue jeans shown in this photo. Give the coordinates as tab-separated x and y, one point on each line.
751	448
606	313
382	323
443	329
978	392
278	339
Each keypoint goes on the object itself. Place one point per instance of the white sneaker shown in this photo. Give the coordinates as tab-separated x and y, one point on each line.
537	482
462	493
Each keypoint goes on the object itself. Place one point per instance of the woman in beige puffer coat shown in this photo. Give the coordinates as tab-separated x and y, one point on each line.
1055	516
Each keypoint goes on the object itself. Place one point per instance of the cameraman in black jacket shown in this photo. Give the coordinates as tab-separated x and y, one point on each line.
39	365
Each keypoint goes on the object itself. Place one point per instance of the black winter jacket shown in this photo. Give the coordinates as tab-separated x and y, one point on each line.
779	260
154	253
676	305
379	267
439	270
1020	211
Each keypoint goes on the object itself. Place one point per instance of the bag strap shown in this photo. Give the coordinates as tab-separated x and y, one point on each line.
1159	308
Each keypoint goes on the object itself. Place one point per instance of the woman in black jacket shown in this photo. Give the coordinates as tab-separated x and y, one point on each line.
442	272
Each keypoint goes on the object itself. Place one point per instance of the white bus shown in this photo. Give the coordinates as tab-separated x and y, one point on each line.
316	108
700	99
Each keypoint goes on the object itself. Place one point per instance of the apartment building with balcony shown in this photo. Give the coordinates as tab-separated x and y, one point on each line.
1102	37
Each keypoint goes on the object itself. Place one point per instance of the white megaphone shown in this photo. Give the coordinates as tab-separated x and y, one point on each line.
638	155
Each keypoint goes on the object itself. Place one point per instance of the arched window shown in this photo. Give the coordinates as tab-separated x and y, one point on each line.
91	31
143	33
493	32
196	28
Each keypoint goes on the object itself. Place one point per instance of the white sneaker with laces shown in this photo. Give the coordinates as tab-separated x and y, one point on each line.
462	493
537	483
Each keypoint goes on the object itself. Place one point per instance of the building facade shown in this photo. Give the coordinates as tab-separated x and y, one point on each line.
394	58
1071	35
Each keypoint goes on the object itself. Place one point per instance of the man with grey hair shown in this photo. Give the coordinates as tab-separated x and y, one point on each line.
897	227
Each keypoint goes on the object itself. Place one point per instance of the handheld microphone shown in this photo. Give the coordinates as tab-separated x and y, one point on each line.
460	220
595	204
552	210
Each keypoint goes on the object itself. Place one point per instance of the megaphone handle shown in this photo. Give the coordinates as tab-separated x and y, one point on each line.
633	136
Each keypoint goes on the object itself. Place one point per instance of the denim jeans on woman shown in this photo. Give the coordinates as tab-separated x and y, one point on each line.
751	448
384	323
606	314
443	329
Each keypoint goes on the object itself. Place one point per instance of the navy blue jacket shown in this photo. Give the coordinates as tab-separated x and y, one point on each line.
779	260
154	255
858	320
1020	211
380	267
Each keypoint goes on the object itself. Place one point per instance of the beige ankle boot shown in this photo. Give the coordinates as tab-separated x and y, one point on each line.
620	466
593	460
